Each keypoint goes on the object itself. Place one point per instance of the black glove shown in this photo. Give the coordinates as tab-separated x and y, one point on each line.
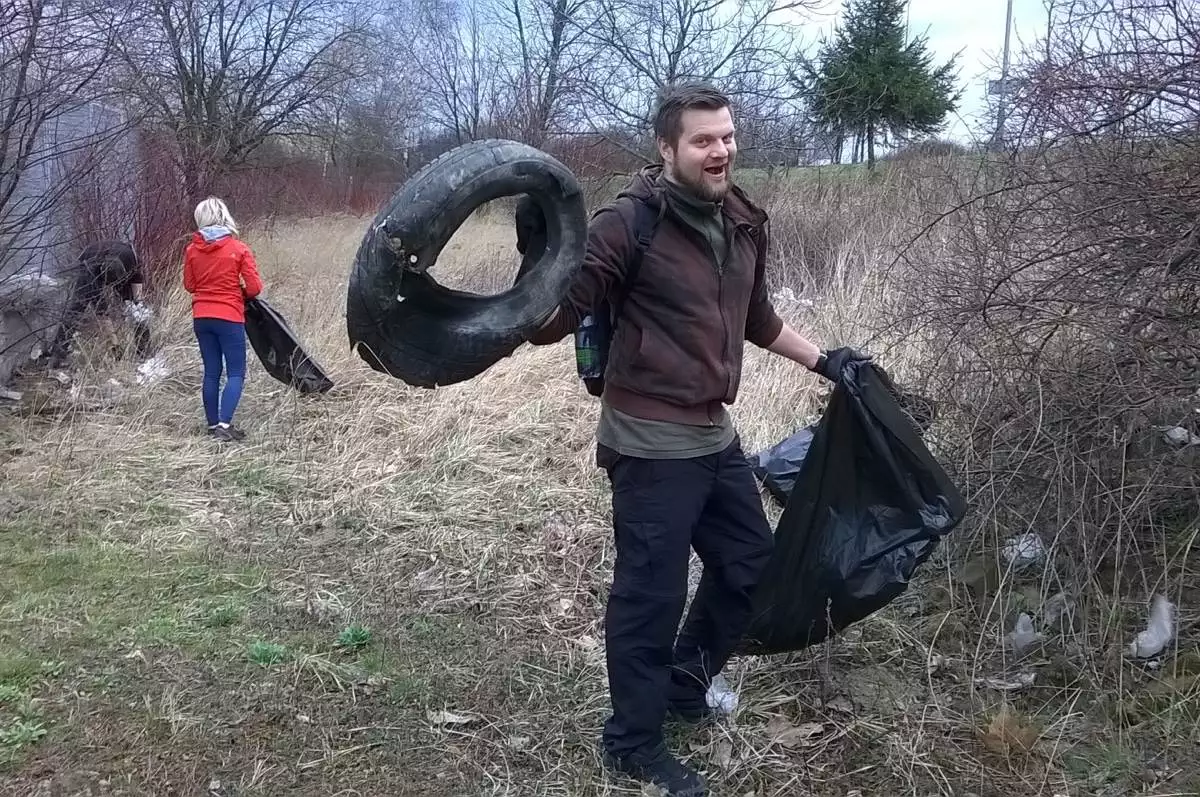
830	364
531	228
531	234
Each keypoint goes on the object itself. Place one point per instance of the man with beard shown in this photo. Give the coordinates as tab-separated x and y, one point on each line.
679	477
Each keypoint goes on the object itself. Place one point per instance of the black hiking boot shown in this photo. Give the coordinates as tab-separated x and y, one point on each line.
663	770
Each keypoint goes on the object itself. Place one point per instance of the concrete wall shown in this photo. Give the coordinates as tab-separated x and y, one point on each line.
80	185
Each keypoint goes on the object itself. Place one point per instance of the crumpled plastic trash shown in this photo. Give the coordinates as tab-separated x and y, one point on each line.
1178	436
779	466
1024	550
138	312
787	296
1023	636
153	370
1014	684
720	697
1160	630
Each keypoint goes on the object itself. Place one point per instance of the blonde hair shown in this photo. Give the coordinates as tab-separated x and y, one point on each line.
212	212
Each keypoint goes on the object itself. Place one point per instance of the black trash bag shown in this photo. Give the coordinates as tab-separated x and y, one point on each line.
778	466
280	352
869	506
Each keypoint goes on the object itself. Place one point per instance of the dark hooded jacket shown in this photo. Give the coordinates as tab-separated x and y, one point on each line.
677	351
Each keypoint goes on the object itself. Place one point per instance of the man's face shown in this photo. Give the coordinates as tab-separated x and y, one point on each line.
703	158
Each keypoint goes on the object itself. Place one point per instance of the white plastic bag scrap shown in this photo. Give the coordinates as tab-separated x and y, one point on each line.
1160	630
153	370
720	697
1178	436
138	312
1024	550
1023	635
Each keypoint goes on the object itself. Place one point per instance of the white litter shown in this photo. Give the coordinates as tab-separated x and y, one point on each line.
1015	684
1178	436
153	370
1024	550
1023	636
450	718
1159	631
720	697
138	312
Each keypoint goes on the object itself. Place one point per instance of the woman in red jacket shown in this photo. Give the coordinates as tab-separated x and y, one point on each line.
220	273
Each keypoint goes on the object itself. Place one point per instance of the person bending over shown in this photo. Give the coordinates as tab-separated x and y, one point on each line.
107	272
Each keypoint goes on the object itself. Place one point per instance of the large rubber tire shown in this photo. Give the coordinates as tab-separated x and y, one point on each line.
402	322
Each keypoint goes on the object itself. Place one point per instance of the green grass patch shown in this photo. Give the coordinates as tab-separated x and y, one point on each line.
1101	765
15	736
83	605
354	637
265	654
65	596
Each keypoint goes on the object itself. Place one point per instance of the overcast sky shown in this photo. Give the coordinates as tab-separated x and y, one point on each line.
974	27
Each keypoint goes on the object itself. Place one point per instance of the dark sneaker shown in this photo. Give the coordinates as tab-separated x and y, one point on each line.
663	770
226	433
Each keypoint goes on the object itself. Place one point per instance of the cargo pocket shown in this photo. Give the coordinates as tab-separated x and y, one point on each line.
646	563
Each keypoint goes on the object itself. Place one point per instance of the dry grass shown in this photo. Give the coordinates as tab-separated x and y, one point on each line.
170	608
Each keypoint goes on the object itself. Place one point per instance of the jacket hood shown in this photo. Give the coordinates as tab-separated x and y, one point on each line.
646	184
209	239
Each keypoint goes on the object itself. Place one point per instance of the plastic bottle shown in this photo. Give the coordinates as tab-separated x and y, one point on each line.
591	347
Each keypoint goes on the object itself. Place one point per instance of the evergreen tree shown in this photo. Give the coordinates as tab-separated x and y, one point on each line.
869	83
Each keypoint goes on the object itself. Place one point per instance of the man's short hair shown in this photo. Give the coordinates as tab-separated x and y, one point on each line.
676	98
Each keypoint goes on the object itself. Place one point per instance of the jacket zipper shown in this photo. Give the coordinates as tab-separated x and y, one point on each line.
730	242
731	231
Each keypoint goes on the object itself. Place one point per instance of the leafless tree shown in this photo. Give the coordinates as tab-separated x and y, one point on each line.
645	44
546	60
225	75
454	61
1125	67
57	124
1067	306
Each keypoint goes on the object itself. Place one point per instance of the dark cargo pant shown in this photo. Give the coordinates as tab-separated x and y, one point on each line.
661	509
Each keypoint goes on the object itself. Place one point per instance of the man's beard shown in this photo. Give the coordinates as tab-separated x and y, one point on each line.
702	188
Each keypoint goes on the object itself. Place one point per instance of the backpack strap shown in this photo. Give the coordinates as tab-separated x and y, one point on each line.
646	217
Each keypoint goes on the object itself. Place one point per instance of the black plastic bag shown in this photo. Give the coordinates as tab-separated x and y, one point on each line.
280	352
778	466
869	506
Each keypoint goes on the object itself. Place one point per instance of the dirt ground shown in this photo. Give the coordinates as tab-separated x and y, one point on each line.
393	591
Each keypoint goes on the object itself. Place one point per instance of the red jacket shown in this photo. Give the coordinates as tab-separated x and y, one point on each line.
215	267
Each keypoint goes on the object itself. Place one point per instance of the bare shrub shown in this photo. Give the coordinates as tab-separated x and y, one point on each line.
1061	317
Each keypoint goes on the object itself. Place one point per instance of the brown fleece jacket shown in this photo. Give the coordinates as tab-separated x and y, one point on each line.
677	351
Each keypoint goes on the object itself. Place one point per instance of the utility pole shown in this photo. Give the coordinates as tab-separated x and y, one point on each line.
1002	109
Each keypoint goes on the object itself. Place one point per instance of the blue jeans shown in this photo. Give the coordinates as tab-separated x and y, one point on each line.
220	339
